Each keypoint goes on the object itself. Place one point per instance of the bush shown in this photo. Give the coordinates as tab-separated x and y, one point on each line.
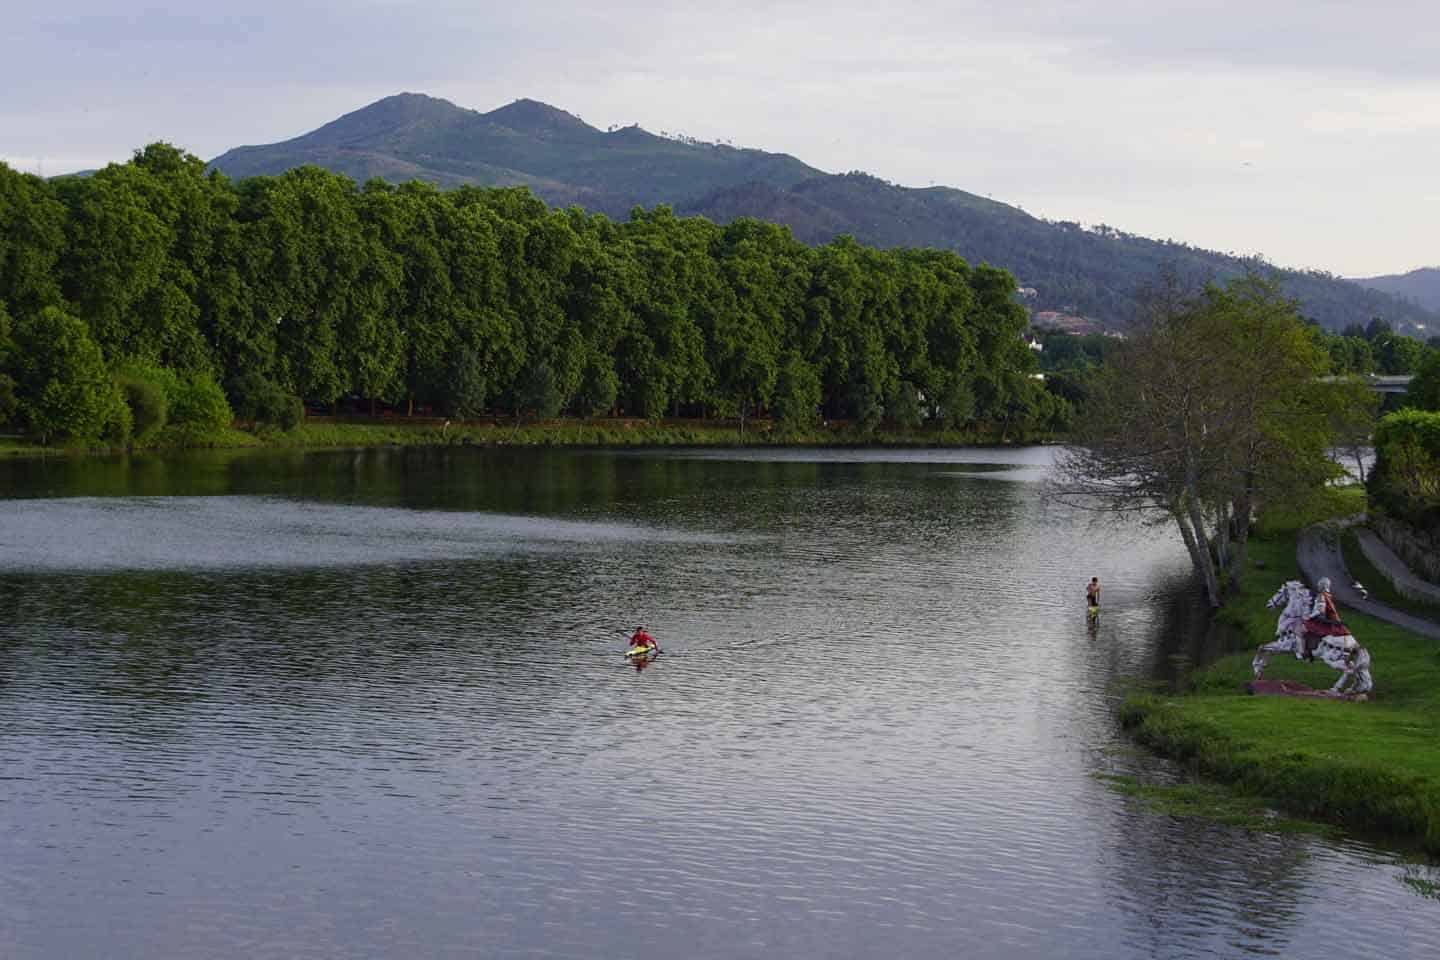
149	410
200	403
1405	481
259	399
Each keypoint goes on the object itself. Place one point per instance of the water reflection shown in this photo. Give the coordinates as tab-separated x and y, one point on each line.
364	704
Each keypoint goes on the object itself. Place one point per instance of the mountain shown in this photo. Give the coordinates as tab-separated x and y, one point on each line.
1095	272
1418	286
557	155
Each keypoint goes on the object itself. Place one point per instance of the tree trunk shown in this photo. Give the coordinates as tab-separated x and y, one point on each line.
1200	551
1222	546
1199	558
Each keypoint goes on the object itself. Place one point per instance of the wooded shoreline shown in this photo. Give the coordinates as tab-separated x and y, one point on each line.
363	432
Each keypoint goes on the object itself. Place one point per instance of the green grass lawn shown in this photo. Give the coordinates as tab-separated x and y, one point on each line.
1372	767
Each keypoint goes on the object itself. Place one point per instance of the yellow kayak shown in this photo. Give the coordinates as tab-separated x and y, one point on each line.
640	650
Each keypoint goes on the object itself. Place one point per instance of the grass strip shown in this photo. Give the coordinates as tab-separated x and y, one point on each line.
325	432
1372	768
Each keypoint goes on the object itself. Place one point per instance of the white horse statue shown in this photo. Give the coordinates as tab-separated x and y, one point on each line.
1339	652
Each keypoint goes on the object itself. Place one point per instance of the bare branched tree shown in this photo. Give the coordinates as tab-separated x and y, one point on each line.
1212	408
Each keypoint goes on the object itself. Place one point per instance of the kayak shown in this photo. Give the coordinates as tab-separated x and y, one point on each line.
640	650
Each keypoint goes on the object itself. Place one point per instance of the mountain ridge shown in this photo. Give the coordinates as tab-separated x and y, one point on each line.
1095	272
1421	286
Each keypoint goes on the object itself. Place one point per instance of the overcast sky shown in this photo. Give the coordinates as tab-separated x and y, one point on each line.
1304	130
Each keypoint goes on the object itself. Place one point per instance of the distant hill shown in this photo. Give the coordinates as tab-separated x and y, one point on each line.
1092	272
557	155
1418	286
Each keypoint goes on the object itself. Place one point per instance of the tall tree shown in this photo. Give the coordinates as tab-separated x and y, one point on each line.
65	390
32	238
1212	409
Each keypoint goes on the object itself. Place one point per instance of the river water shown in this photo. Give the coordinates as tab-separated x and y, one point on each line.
374	705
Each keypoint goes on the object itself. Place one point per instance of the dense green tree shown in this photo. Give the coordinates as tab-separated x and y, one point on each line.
1424	391
466	393
904	408
258	399
303	286
9	399
1349	354
1353	409
1396	355
540	392
65	390
599	386
1212	409
32	239
1377	328
797	392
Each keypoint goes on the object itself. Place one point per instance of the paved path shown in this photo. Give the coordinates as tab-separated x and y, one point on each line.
1388	563
1318	553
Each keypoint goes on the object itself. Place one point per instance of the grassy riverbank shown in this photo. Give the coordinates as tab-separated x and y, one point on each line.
1370	767
380	432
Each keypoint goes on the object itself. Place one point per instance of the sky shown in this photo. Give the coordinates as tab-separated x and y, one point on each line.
1307	131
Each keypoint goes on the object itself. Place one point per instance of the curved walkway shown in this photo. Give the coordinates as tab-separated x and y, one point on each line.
1318	553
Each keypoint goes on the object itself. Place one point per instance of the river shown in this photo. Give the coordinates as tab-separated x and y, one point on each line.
374	704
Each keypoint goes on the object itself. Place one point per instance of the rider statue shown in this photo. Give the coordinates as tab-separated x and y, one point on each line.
1310	628
1324	619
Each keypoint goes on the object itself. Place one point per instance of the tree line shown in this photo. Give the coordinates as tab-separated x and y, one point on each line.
155	291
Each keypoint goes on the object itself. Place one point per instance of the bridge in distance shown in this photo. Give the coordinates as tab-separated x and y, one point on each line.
1381	384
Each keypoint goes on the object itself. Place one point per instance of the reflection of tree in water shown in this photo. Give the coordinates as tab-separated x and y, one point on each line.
1422	878
1185	880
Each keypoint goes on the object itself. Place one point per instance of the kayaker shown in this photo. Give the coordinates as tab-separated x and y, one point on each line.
640	639
1092	593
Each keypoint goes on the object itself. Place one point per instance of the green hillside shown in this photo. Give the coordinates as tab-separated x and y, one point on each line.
1094	272
557	155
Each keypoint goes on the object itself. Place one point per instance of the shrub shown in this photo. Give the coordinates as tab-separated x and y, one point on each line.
149	410
1405	481
200	403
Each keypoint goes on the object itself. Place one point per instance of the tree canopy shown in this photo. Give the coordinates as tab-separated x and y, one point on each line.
308	286
1213	409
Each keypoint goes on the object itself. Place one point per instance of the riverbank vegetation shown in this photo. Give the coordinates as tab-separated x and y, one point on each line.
1371	767
152	302
1211	410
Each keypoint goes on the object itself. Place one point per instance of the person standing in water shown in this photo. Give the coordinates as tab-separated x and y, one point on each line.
1092	595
